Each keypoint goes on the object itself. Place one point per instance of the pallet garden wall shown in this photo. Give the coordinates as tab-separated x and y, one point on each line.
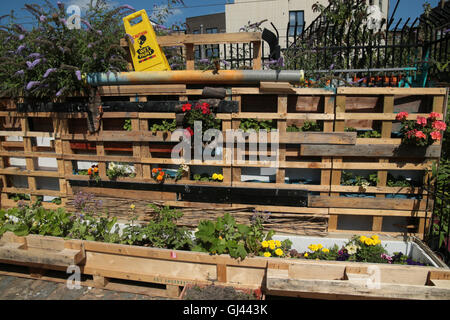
42	151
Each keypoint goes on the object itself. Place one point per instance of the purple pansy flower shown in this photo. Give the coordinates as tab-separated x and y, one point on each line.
47	73
31	84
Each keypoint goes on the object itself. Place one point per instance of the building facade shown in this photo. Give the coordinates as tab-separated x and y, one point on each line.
296	13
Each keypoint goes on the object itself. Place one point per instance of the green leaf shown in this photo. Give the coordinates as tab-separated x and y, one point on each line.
21	230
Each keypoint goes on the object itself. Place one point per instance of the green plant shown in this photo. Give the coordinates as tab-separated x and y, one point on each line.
349	179
225	236
19	196
164	126
399	181
57	201
253	124
307	126
369	134
116	170
127	125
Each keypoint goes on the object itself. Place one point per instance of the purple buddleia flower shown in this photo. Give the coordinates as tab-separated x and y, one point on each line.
87	24
62	20
332	66
99	32
22	29
34	55
127	6
33	64
60	92
203	60
47	73
225	62
78	74
32	84
42	18
19	73
174	65
21	36
20	48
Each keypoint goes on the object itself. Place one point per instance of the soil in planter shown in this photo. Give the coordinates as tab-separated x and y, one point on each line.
213	292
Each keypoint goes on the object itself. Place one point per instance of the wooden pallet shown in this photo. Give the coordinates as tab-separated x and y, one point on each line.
322	154
130	268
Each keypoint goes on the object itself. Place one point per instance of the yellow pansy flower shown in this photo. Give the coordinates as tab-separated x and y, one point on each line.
369	241
306	255
313	247
278	243
220	177
319	246
272	246
264	244
279	252
132	207
214	176
362	238
325	250
267	254
375	237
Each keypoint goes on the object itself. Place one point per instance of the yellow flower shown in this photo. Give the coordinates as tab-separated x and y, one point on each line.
267	254
319	246
220	177
313	247
369	242
317	259
375	237
264	244
214	176
306	255
278	243
362	239
272	246
279	252
325	250
132	207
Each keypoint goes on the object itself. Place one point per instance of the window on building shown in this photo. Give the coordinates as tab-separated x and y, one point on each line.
211	30
296	22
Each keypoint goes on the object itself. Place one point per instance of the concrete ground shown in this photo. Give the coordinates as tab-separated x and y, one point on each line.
16	288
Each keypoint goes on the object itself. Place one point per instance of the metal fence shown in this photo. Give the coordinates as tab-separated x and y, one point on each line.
400	53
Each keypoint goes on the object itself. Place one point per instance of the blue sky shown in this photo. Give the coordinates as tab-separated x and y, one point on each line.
407	8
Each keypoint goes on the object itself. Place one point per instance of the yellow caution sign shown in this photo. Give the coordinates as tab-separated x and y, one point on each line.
145	50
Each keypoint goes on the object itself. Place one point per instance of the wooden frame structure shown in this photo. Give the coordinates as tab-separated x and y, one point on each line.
324	154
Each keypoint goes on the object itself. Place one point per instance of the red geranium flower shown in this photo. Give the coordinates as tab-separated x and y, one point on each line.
420	135
439	125
401	116
436	135
434	115
191	132
422	121
186	107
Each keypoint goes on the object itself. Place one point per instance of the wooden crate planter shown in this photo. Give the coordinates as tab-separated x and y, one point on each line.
176	269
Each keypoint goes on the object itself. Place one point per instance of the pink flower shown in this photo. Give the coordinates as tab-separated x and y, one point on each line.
434	115
191	132
422	121
411	133
420	135
401	116
436	135
439	125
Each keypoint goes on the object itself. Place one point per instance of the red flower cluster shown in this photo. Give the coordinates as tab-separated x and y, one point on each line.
204	107
423	131
186	107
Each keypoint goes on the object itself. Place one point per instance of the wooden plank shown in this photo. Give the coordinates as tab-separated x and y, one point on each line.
369	150
276	87
425	165
392	190
121	136
391	91
257	54
127	90
64	257
24	172
377	116
180	39
346	287
368	203
373	212
318	137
